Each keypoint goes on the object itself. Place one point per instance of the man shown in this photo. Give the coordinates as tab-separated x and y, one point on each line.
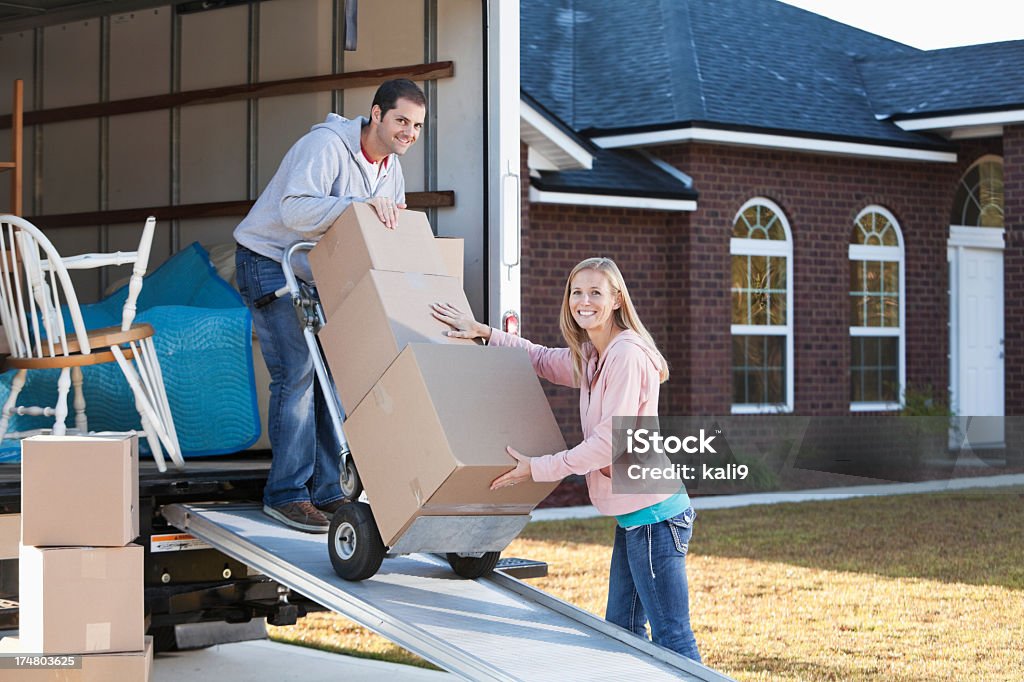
336	163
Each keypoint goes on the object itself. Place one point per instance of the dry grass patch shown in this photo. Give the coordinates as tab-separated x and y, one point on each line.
915	588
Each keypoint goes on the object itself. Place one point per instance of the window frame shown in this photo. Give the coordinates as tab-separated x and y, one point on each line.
739	246
889	254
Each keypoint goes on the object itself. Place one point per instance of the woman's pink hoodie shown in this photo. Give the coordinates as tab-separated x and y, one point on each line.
626	383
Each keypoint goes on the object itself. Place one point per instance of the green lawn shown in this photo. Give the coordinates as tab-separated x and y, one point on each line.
915	587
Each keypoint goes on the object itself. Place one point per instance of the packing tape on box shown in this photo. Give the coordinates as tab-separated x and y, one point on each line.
94	564
415	280
475	509
383	400
97	636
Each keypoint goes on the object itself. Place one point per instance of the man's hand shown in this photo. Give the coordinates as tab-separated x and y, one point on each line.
387	210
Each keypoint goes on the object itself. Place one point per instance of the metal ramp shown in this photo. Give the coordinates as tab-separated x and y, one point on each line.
495	628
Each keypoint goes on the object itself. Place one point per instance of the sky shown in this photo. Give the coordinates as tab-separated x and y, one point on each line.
928	24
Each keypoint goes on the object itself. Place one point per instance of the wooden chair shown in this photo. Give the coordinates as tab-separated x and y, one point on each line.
37	294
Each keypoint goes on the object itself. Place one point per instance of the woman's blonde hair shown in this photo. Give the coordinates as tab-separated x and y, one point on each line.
626	316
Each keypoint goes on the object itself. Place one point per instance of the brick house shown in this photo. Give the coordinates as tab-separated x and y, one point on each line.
812	219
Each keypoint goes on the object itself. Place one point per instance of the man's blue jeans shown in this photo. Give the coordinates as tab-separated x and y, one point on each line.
648	582
305	464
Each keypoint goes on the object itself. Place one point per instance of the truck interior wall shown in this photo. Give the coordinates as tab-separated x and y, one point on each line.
460	137
228	151
16	57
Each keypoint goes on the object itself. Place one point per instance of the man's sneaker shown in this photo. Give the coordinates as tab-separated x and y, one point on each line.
302	515
332	507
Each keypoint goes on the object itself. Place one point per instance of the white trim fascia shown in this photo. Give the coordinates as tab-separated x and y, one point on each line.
542	197
868	252
667	167
765	140
875	331
739	246
544	134
536	161
759	330
977	237
975	132
962	120
748	408
875	407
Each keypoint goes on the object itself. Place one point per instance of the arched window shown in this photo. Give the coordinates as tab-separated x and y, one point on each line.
876	311
762	305
979	197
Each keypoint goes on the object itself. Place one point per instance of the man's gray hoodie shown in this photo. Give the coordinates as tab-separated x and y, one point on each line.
316	181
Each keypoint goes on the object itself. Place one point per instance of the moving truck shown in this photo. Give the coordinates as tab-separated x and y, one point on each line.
183	111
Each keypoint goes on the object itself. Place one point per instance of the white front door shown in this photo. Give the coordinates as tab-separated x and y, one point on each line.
976	336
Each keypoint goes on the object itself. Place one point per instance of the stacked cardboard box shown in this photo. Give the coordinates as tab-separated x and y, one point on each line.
80	576
429	416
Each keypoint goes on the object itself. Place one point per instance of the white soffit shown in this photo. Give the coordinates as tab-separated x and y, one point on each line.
550	142
992	118
768	141
541	197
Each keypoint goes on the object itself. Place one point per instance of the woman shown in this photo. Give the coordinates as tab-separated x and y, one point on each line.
616	364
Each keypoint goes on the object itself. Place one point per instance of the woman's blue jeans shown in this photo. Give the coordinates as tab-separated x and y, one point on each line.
305	463
648	583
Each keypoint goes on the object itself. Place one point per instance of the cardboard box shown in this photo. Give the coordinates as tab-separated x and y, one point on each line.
358	242
453	254
135	666
80	600
431	435
10	535
385	312
80	490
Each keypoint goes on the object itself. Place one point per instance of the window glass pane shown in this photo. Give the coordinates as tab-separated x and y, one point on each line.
887	233
857	284
889	354
874	294
758	222
890	316
891	298
960	205
759	289
873	276
874	229
740	294
741	228
776	290
870	353
759	370
874	369
856	385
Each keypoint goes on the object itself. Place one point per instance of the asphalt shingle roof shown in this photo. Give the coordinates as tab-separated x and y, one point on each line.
955	80
617	66
620	173
631	65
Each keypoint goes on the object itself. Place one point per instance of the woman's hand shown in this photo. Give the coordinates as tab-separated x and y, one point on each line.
521	473
463	324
